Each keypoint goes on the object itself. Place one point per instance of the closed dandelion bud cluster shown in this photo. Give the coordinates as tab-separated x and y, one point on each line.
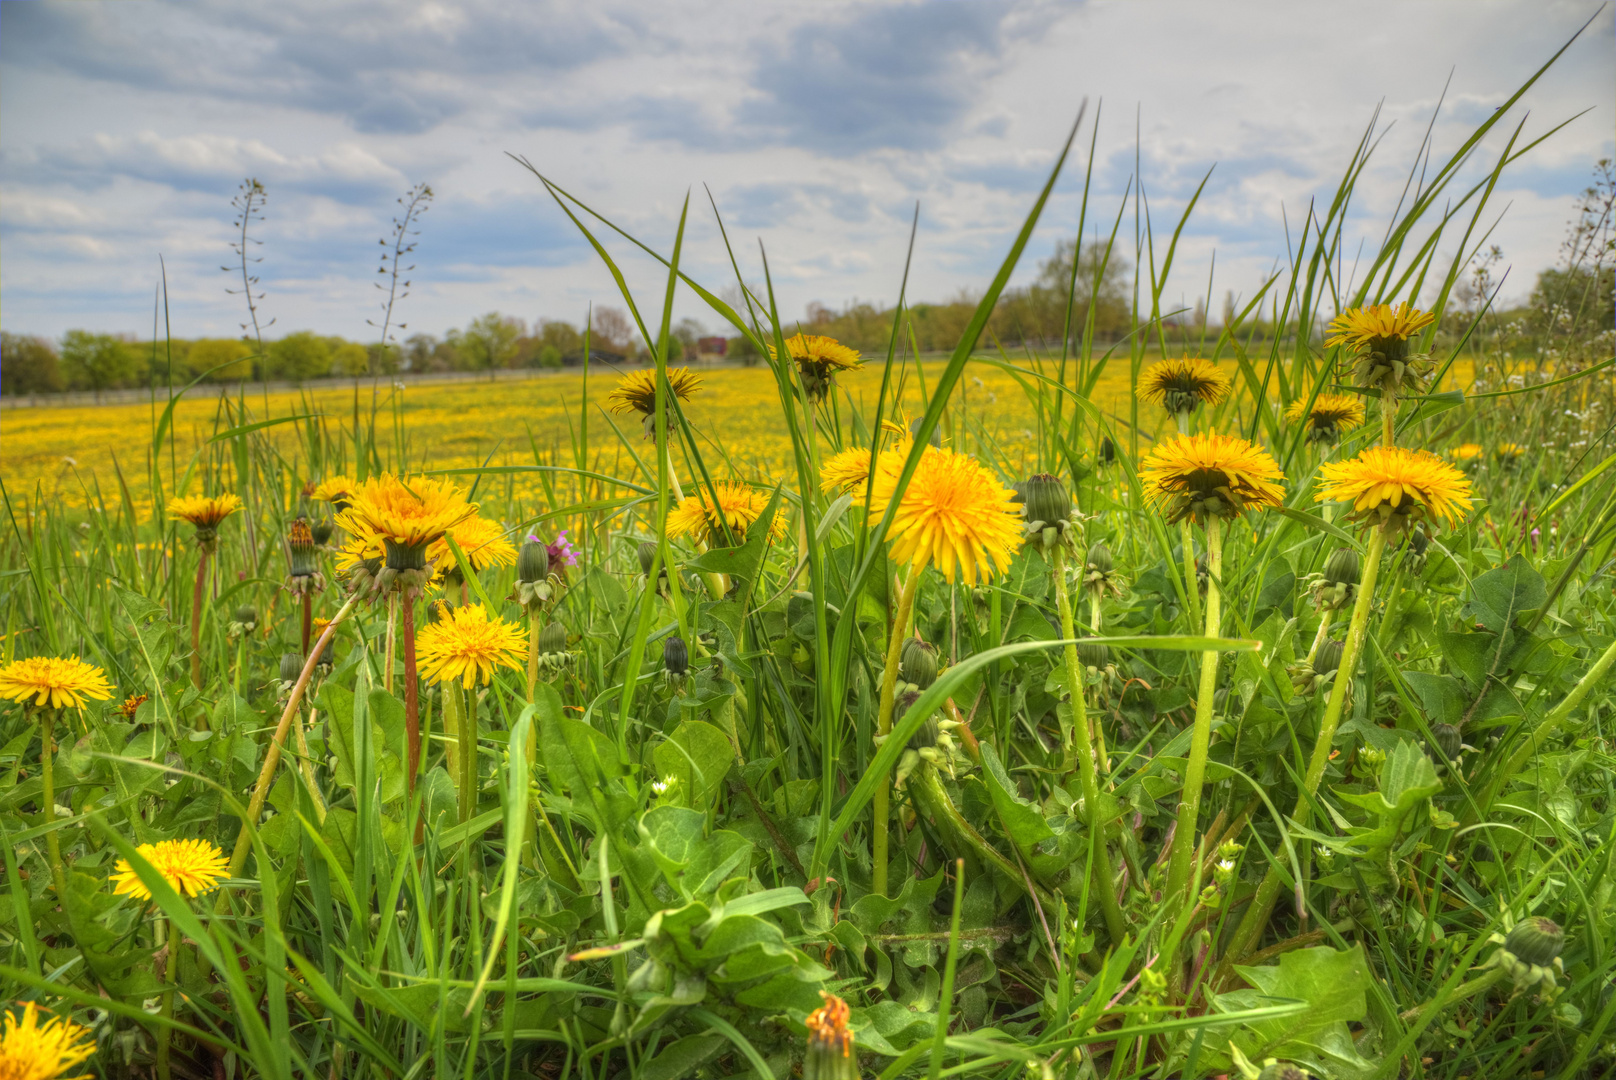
439	610
1049	515
1446	743
1336	587
1319	676
291	668
917	664
830	1053
675	660
321	529
1100	577
553	654
533	585
932	744
1107	453
243	622
1099	666
647	554
1530	955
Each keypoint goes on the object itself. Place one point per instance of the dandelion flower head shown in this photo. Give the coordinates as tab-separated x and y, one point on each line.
702	516
954	514
1201	476
1392	485
468	646
53	682
30	1050
191	868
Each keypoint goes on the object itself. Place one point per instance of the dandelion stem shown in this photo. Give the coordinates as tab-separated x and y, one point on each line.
412	696
467	708
532	655
308	618
272	757
392	629
1323	635
47	775
1256	917
170	977
196	618
883	727
1087	773
1189	803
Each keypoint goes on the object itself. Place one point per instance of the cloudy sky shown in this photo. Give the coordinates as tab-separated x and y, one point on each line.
126	127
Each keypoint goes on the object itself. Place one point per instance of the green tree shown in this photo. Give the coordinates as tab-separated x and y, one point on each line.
211	352
97	361
300	356
487	342
549	356
563	337
28	365
350	358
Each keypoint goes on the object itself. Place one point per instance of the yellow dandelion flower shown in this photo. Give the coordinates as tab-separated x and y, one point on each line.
1180	385
1375	341
53	682
954	514
1200	476
409	512
1465	452
1374	326
191	868
846	470
468	646
1391	486
482	540
738	505
821	352
1509	450
636	391
1330	415
203	511
337	490
30	1050
818	360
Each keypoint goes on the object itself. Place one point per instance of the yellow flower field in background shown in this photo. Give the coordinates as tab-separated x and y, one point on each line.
73	453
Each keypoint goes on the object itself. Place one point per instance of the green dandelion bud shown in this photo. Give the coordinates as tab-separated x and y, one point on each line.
532	562
1536	941
918	663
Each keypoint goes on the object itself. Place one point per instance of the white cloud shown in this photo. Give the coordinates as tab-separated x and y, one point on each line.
125	128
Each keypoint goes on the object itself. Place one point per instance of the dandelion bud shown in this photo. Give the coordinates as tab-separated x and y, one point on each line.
918	663
321	529
830	1044
1536	941
300	547
1047	499
675	656
247	616
1445	739
647	556
532	562
1342	567
439	610
1108	451
1099	558
553	638
1094	654
291	667
1328	659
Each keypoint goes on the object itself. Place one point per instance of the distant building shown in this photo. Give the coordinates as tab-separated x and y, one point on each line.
712	346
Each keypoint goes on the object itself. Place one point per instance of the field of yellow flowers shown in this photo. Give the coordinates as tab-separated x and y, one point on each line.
78	454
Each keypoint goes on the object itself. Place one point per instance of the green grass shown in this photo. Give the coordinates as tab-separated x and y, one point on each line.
687	864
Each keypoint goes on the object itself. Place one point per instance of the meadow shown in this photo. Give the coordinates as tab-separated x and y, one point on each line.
1100	713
